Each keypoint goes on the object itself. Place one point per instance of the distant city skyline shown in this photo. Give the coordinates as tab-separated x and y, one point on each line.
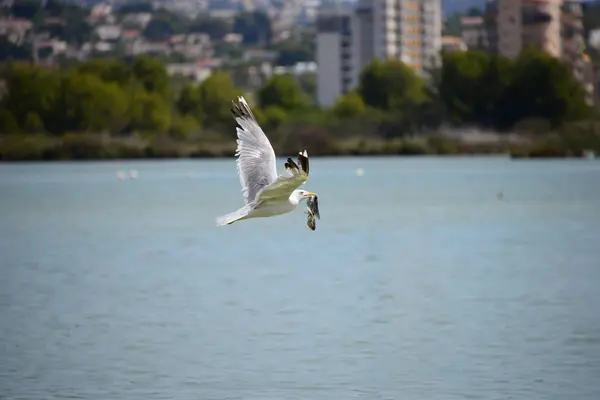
448	6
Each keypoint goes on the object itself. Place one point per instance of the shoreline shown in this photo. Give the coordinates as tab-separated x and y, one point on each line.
98	147
504	155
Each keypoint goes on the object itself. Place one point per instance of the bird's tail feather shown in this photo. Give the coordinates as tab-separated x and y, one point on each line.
235	216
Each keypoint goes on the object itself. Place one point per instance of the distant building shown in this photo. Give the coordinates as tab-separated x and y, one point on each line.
334	55
192	45
527	23
15	29
552	26
549	25
196	72
474	33
453	43
137	20
349	38
108	32
101	10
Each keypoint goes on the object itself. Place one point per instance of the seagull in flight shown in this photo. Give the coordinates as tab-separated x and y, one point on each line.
266	193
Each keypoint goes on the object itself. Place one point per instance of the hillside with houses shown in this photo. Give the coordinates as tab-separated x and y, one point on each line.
253	44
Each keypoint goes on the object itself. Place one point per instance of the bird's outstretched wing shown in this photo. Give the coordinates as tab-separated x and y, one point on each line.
256	158
288	181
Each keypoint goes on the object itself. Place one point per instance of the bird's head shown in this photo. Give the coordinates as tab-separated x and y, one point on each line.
299	195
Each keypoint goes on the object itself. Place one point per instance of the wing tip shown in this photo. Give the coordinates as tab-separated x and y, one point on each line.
290	164
303	160
241	109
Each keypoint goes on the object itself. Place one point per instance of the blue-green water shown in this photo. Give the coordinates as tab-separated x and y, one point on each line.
419	283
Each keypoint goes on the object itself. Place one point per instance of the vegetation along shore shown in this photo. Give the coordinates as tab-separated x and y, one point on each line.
119	109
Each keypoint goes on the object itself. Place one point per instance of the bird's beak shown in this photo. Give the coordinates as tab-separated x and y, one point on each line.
310	194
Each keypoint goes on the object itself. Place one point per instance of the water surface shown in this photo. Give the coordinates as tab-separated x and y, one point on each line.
420	282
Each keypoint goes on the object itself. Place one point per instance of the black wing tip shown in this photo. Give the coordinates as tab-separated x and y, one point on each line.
241	109
290	164
303	160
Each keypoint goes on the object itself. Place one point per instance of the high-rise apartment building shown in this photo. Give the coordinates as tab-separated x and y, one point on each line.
348	39
553	26
335	56
524	23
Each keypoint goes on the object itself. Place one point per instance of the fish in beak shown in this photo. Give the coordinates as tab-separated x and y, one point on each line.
312	211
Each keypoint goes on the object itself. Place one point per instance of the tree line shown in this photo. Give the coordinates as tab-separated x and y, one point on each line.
533	91
121	98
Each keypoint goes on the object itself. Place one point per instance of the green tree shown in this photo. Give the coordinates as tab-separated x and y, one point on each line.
152	75
109	70
150	113
471	84
216	93
391	85
8	123
158	29
33	89
74	29
274	116
26	9
216	28
474	12
308	84
136	7
543	87
93	105
190	102
33	123
495	83
164	24
11	51
255	27
282	91
350	105
182	125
